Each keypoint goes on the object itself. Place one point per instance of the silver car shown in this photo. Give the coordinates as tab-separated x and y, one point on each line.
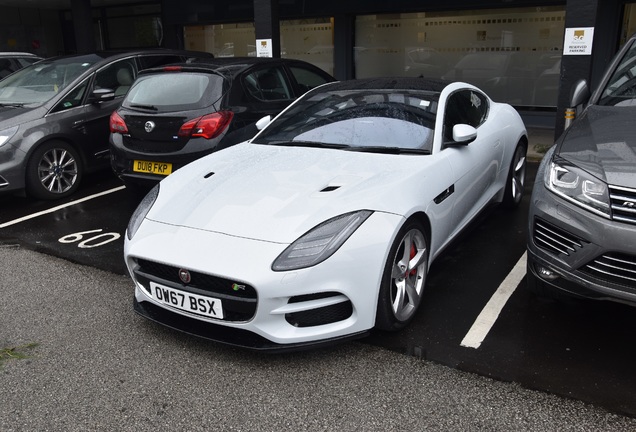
582	219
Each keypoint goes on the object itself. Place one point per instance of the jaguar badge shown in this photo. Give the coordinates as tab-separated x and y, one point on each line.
184	275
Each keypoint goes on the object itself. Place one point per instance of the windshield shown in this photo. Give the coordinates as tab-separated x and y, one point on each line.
621	87
358	120
178	91
41	81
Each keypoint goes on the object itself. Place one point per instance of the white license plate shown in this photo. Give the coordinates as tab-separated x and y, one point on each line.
193	303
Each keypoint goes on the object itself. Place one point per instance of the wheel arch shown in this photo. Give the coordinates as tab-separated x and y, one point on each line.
422	218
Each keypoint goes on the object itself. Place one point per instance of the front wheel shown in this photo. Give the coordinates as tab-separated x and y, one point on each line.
516	177
404	278
53	171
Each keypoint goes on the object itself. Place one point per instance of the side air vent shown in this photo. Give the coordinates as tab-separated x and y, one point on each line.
554	239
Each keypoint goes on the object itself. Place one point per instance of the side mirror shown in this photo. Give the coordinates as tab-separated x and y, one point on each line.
580	93
102	95
464	133
260	125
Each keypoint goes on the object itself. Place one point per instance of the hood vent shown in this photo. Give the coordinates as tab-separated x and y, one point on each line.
208	175
330	188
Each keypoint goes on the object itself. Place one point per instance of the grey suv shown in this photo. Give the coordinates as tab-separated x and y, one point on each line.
582	220
54	117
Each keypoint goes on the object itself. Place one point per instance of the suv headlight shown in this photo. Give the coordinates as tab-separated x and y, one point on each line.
578	186
7	134
141	211
320	242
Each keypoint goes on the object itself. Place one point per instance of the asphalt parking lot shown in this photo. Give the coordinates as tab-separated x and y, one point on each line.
96	366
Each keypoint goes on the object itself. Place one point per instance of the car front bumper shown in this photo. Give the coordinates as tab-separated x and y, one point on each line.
331	301
576	251
12	168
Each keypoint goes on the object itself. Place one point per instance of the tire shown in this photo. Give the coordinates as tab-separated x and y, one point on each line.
54	171
404	278
516	178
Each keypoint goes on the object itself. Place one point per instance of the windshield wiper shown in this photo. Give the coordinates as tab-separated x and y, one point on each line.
391	150
12	104
310	144
146	107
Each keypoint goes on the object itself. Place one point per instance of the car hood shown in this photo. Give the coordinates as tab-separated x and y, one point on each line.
10	116
603	142
276	194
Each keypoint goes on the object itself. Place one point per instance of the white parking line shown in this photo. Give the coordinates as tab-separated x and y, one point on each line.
53	209
491	311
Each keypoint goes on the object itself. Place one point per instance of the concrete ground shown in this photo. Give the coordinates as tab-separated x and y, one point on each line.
91	364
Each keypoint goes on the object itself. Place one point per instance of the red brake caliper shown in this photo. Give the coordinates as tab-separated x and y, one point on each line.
412	255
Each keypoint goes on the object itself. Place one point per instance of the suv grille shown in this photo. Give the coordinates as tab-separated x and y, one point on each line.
554	239
623	203
614	268
239	300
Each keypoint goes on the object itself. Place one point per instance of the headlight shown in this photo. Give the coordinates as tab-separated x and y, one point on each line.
7	134
578	187
141	211
320	242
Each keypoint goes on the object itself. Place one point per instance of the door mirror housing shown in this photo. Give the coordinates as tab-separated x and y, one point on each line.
260	125
102	95
464	133
580	93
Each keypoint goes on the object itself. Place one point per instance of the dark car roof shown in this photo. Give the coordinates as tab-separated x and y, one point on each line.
388	83
17	54
226	65
242	61
99	56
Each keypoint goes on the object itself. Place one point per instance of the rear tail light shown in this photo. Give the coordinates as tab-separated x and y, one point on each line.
209	126
117	124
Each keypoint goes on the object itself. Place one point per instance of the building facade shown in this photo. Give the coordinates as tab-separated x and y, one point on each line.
515	50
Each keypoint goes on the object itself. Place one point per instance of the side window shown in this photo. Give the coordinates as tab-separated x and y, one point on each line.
621	87
467	107
267	84
72	98
117	76
306	79
6	68
26	61
150	61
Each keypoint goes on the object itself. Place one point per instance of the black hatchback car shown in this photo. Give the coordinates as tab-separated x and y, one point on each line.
54	117
178	113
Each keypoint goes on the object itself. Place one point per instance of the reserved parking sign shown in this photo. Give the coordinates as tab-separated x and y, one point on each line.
578	41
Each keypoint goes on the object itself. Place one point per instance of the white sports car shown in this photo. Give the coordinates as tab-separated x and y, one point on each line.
325	224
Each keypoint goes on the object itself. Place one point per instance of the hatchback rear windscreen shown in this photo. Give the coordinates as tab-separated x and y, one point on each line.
174	92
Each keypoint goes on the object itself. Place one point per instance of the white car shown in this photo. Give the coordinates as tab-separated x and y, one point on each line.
325	224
